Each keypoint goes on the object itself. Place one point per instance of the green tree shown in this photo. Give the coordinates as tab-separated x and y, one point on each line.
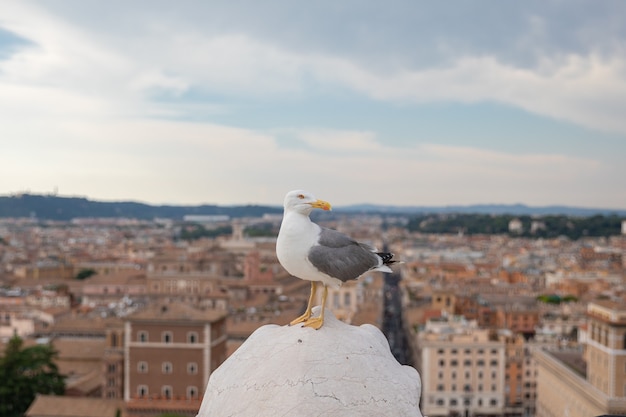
24	373
85	273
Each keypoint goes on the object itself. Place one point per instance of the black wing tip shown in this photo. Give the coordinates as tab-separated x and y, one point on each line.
387	258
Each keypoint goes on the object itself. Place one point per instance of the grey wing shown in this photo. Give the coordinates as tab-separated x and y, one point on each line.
341	257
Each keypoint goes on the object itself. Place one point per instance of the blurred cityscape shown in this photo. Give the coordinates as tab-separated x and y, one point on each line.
142	311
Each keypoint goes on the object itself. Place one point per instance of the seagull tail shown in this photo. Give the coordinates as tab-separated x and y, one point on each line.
387	259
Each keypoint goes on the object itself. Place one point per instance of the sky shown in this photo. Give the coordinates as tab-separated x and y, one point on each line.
416	103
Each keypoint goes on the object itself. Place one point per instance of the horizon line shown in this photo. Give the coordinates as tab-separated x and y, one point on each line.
379	205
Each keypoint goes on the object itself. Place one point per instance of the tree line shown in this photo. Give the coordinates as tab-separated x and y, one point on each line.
530	226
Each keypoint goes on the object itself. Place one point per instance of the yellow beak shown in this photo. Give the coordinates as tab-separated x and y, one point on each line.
321	204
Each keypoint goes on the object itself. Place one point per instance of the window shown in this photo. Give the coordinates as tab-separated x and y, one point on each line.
346	299
453	351
440	402
142	336
453	387
493	402
142	367
192	392
467	362
111	368
442	363
453	402
493	363
166	367
166	337
480	362
192	337
439	387
142	391
192	368
440	351
166	391
454	362
453	374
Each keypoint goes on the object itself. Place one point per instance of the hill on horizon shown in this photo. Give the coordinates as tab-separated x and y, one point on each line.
52	207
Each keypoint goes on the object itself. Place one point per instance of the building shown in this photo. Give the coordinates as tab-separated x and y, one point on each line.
518	318
344	301
444	300
589	382
462	368
113	361
606	347
59	406
170	352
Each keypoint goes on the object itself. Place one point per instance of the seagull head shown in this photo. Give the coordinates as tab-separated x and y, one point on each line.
304	202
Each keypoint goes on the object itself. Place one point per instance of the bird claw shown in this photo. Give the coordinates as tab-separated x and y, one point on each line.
314	323
302	319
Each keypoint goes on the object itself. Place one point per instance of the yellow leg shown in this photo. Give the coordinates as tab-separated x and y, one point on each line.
317	322
307	312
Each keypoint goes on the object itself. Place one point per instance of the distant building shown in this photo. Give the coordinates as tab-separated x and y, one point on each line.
170	352
345	300
519	318
113	361
60	406
462	368
105	289
536	226
592	382
606	347
516	226
197	218
444	300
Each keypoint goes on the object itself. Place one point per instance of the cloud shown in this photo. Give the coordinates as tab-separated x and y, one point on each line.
89	105
581	88
584	88
184	162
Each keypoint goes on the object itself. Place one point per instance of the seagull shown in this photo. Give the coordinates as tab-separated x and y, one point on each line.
320	255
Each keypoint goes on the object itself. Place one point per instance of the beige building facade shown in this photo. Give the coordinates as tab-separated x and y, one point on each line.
589	383
462	368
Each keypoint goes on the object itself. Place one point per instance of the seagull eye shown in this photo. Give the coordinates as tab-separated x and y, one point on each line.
301	196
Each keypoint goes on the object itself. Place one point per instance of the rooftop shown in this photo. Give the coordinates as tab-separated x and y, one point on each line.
56	406
176	312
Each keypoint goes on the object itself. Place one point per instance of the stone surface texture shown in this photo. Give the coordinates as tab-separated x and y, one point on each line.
338	370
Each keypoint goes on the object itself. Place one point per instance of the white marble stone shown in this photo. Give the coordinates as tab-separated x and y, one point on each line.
339	370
